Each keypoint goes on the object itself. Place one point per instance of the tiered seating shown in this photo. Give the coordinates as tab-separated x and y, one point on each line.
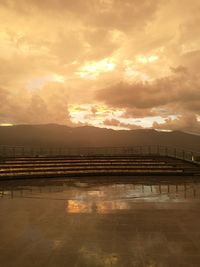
39	167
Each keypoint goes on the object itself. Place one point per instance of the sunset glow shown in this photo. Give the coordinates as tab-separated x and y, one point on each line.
135	63
6	124
94	69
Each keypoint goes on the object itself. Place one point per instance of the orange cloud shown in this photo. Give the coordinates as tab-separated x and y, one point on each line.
186	122
139	57
119	124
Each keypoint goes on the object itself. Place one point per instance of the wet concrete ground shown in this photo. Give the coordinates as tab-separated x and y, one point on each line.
71	223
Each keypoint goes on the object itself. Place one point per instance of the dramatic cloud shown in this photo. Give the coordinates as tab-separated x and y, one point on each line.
174	90
122	63
47	105
187	122
118	124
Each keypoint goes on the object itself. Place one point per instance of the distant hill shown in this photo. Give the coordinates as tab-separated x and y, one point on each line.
53	135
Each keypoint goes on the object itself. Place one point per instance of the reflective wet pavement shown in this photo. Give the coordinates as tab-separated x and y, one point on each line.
78	223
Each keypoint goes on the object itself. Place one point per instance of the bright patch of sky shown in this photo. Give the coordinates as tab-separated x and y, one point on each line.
39	82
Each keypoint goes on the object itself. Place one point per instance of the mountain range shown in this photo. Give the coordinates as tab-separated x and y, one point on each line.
53	135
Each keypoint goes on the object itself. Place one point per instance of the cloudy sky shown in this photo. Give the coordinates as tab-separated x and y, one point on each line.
121	64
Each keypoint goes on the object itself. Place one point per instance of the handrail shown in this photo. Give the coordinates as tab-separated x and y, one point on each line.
175	152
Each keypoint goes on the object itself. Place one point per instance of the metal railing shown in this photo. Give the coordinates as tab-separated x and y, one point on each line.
175	152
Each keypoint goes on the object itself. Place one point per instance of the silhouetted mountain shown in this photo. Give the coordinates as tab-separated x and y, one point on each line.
53	135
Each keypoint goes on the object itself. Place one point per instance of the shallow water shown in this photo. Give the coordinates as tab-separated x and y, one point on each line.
97	222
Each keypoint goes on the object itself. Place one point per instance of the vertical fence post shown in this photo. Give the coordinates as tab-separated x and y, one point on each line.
175	152
158	150
13	151
4	151
183	154
32	152
23	152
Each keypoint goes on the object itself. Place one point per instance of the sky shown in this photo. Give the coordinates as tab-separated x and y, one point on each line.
120	64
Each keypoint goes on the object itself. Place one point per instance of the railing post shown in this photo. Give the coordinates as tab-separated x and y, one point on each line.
4	151
23	152
13	150
175	152
183	154
158	150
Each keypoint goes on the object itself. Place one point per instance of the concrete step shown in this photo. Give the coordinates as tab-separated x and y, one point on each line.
83	166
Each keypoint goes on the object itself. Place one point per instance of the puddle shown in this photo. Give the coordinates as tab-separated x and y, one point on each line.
121	222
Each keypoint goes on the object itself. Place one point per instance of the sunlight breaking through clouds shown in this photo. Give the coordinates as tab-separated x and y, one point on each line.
103	116
55	54
146	59
92	70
